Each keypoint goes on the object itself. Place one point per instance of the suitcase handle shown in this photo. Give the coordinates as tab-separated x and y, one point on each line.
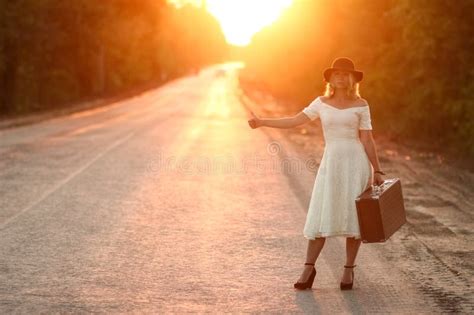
378	189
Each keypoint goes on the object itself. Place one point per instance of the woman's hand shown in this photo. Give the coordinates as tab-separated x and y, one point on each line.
254	122
378	180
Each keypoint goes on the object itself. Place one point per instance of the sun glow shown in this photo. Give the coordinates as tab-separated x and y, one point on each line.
241	19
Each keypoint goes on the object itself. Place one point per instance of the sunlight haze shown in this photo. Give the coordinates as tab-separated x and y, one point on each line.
241	19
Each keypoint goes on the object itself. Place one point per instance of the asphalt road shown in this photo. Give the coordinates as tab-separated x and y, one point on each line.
168	202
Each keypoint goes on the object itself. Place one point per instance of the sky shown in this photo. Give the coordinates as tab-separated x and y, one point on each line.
240	19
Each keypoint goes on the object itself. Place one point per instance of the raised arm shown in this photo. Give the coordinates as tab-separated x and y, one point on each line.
283	123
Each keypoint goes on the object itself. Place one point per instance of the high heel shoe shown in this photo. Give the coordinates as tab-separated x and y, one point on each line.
348	286
309	282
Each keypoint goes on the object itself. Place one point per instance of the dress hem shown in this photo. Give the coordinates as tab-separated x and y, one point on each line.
332	234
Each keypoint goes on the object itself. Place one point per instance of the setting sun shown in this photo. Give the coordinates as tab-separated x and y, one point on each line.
241	19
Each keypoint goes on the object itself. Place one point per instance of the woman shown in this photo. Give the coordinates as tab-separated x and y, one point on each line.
349	165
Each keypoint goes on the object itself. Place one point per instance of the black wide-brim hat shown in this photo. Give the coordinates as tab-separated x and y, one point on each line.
343	64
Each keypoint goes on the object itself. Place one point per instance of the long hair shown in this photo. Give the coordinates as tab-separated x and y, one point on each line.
352	91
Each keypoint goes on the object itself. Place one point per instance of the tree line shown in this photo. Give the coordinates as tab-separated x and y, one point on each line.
416	55
55	52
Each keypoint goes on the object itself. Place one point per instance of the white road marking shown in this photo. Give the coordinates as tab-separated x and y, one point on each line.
66	180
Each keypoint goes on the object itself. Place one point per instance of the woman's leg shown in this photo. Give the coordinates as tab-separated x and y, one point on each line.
352	248
312	254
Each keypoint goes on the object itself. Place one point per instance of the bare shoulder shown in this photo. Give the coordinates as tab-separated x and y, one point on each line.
362	102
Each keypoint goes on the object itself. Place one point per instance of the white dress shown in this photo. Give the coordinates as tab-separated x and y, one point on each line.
343	174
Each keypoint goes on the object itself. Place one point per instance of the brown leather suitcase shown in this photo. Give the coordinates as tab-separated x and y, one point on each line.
381	211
